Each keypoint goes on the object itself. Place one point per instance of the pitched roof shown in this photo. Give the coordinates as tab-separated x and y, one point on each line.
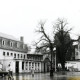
8	36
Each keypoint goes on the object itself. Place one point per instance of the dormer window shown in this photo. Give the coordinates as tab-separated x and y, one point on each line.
3	42
18	44
11	44
23	46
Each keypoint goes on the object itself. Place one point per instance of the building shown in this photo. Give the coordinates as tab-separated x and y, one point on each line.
35	61
14	55
74	65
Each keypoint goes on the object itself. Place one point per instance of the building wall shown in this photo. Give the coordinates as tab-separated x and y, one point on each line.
11	59
28	63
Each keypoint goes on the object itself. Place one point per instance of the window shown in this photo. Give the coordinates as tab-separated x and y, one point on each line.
23	46
18	55
4	53
21	55
11	44
11	54
7	53
24	56
18	44
15	55
3	42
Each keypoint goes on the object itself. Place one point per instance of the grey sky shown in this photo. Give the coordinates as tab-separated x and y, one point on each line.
20	17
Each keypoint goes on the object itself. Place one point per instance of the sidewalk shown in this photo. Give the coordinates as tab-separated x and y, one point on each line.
46	76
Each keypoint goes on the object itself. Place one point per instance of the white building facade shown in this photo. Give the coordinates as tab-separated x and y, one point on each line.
13	55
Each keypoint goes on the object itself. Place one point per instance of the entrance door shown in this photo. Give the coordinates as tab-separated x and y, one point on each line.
17	66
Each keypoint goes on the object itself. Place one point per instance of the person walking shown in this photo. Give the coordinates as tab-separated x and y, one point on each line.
10	73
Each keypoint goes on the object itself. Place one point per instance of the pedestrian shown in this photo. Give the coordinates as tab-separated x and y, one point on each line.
10	73
32	71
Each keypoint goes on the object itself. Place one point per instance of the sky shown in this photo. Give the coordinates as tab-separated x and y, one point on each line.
21	17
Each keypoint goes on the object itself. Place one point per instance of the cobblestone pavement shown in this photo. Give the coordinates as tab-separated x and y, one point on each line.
46	76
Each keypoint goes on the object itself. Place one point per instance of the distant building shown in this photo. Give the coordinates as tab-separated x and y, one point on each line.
74	65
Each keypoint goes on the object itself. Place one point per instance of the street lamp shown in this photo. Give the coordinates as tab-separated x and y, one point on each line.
51	71
55	59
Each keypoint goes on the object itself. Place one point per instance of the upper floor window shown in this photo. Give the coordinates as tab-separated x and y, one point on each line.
15	55
18	55
11	44
21	55
7	53
3	42
11	54
4	53
23	46
18	44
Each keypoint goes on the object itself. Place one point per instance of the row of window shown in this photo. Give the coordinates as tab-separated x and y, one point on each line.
14	54
3	43
32	64
34	58
17	45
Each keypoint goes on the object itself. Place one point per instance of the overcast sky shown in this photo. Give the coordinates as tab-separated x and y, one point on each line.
20	17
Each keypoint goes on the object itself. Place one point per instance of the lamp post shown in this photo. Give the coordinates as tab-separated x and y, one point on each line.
55	60
51	50
51	71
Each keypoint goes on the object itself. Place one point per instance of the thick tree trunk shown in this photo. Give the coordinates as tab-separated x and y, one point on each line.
63	66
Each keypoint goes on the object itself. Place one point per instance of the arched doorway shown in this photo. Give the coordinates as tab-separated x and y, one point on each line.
46	65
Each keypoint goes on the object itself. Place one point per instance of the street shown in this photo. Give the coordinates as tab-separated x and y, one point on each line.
45	76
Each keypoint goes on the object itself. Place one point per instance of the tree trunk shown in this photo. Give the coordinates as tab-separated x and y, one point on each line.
63	66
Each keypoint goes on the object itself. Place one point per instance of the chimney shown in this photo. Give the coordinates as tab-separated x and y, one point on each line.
21	39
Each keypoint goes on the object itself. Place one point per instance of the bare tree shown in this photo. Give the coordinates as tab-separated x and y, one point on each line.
62	41
46	44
